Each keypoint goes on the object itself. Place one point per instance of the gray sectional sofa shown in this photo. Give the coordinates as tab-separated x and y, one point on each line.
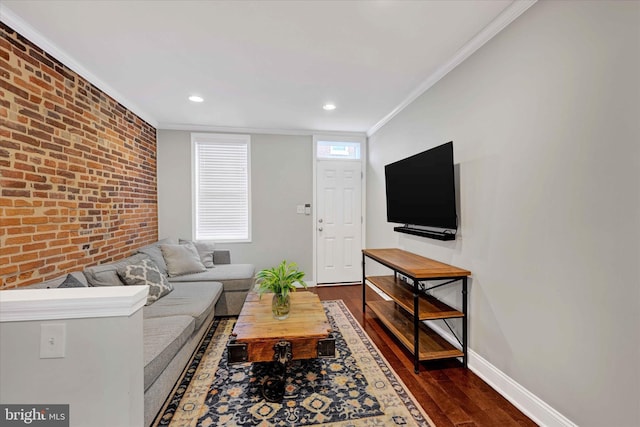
174	324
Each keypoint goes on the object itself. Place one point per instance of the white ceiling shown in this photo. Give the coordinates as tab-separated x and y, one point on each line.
263	65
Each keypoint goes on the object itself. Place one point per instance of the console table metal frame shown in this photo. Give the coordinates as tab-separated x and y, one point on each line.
418	270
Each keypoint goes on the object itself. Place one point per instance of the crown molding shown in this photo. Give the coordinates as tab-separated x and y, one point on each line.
255	131
12	20
19	305
498	24
507	16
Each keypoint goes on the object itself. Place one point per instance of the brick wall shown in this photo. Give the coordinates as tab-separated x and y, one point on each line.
77	170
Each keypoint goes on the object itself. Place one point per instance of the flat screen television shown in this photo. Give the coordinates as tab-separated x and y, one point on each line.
421	192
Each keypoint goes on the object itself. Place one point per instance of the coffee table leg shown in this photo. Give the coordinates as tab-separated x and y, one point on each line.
273	387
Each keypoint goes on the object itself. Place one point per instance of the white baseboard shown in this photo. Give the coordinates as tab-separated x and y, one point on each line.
530	404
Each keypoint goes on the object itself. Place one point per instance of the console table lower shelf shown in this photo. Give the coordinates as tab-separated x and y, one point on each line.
432	345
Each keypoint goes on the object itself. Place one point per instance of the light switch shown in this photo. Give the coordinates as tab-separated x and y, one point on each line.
307	209
300	209
53	340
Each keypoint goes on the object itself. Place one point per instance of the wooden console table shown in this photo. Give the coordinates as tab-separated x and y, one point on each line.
410	304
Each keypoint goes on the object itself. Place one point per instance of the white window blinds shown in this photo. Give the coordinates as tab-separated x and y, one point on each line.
222	187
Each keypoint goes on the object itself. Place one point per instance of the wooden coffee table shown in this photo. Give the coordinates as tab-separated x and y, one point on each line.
259	337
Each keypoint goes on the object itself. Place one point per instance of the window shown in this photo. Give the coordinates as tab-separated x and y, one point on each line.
335	149
222	166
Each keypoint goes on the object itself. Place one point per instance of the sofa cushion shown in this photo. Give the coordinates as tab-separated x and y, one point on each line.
195	299
163	338
205	250
146	272
107	274
232	275
182	259
154	252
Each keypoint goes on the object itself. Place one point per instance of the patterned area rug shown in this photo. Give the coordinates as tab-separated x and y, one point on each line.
356	388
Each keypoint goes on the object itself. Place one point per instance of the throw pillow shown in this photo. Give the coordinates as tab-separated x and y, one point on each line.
107	274
72	282
182	259
153	251
146	272
205	250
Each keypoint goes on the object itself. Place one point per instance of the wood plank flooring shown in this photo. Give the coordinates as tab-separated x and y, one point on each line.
450	394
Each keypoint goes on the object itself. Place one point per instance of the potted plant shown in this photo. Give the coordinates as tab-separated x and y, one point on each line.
280	280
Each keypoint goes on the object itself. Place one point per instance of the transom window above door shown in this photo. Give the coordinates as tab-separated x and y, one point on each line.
337	150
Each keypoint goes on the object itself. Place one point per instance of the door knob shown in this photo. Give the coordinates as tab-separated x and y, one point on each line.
320	220
319	228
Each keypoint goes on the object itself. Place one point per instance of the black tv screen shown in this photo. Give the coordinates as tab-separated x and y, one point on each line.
421	189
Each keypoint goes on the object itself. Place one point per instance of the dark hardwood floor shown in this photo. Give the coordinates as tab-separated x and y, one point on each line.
450	394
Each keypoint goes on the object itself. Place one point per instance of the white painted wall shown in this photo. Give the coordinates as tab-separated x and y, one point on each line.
545	123
281	179
101	377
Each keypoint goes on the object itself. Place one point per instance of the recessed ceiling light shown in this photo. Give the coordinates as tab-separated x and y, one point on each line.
196	98
329	107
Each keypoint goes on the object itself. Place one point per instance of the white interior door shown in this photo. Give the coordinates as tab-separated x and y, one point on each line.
339	221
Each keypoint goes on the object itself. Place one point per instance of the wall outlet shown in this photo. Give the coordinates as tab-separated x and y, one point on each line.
53	337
